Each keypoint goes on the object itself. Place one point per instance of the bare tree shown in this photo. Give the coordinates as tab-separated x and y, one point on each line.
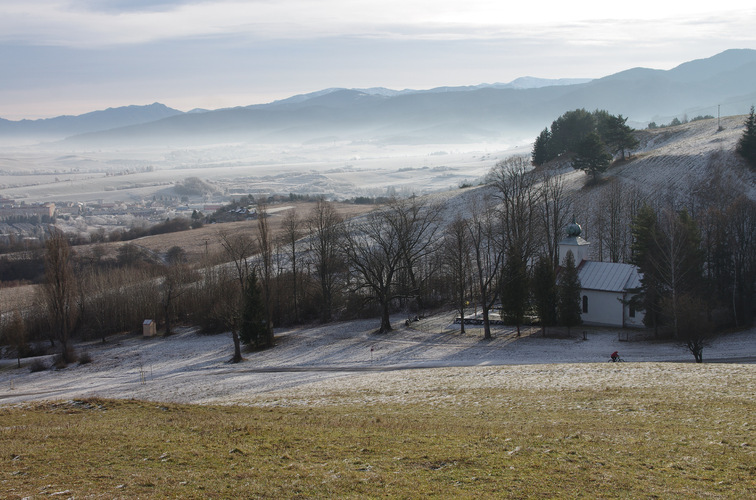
416	225
15	335
384	243
264	243
696	330
175	277
617	204
326	231
555	208
60	291
238	248
292	232
484	230
518	197
456	258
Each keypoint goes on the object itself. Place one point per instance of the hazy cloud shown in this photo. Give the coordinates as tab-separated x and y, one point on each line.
94	23
58	55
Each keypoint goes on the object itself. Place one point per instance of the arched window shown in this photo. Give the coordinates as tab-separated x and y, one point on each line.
585	304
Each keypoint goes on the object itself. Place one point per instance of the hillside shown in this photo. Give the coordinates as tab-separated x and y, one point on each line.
673	162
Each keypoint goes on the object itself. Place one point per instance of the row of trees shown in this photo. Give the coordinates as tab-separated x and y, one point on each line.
699	269
497	247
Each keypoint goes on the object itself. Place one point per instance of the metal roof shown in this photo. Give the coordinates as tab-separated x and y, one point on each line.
608	276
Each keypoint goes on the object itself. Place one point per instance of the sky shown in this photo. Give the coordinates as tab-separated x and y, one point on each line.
74	56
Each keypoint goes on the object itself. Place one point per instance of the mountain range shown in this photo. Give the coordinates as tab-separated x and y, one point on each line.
724	83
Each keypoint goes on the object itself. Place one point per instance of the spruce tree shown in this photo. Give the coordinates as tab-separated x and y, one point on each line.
514	288
569	294
545	292
540	153
644	254
747	143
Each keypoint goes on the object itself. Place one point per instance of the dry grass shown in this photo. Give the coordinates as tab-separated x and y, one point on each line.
545	443
194	241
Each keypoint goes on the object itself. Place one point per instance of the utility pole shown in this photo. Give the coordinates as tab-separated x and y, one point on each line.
719	127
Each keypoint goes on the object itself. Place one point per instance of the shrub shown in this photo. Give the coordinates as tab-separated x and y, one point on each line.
85	358
37	366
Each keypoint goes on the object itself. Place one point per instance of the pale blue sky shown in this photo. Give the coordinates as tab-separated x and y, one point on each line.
71	57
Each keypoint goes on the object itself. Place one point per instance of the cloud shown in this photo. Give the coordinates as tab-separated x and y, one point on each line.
98	23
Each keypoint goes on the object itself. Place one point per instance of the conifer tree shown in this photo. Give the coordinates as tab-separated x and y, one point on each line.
619	135
591	156
644	231
514	288
747	143
545	292
540	153
569	294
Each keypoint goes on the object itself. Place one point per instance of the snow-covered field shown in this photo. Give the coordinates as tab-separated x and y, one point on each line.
347	362
46	173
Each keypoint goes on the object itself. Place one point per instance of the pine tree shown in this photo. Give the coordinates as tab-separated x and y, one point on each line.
514	288
619	135
747	143
644	255
540	153
545	292
569	294
591	156
253	331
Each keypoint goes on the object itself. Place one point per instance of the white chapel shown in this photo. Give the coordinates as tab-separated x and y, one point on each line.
606	287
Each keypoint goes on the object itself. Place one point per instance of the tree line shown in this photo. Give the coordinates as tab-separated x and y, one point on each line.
494	248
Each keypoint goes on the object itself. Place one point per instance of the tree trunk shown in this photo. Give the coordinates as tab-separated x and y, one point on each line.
462	317
167	321
486	324
237	348
385	318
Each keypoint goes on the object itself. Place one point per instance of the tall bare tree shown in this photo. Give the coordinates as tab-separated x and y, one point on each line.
239	248
292	232
265	246
485	233
456	258
555	208
326	229
60	291
518	197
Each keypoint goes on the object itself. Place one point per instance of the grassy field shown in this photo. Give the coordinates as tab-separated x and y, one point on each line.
542	443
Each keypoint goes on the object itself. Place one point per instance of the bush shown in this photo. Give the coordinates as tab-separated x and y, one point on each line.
37	366
85	358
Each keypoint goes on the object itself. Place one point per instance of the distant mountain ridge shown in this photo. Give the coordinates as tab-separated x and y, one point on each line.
88	122
489	112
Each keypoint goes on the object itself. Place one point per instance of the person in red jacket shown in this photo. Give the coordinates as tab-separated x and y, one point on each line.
615	356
